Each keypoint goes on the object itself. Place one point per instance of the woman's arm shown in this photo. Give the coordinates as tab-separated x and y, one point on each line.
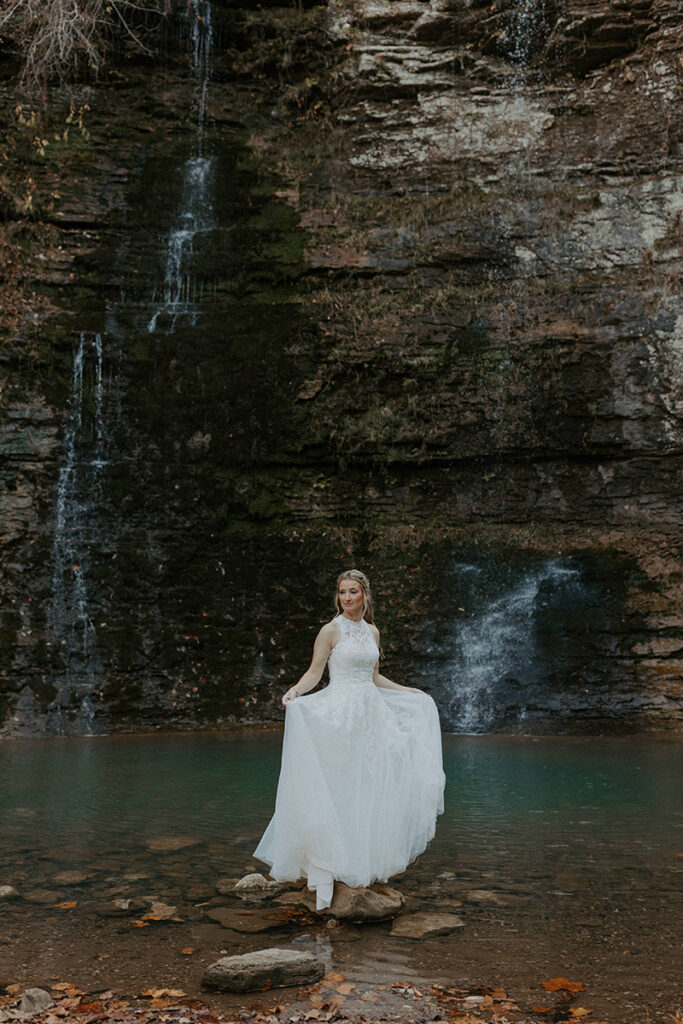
382	681
324	642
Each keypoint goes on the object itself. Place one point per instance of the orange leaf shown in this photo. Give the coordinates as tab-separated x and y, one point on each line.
498	993
558	984
67	904
335	976
540	1009
90	1008
579	1011
344	989
139	924
152	917
188	950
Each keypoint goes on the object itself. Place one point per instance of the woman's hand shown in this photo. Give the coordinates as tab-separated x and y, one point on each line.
292	694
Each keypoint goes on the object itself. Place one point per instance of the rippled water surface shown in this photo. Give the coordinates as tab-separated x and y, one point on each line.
562	853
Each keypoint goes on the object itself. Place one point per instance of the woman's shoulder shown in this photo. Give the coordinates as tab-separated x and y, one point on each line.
375	631
330	629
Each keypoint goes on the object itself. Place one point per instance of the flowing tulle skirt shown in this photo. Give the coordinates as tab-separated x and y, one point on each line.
360	787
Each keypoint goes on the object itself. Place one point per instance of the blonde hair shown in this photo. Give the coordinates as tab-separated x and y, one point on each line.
358	577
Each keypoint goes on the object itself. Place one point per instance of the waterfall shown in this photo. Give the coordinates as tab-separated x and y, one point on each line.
69	619
195	214
529	26
516	635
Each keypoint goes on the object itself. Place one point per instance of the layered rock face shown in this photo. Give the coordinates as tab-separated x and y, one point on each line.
433	326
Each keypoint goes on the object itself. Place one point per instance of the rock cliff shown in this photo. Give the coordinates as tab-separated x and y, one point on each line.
437	328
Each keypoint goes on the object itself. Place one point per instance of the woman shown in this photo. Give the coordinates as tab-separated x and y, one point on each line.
362	777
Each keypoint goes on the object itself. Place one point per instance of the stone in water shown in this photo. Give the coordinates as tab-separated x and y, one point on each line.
250	972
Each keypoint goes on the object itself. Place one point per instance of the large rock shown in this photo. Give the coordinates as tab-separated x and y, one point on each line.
8	892
378	903
256	888
35	1000
277	968
423	926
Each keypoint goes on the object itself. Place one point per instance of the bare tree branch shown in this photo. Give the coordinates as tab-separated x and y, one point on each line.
63	39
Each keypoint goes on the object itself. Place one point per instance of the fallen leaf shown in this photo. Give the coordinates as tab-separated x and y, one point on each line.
335	976
540	1009
579	1011
159	993
559	984
498	993
344	989
188	950
67	904
91	1007
139	924
67	987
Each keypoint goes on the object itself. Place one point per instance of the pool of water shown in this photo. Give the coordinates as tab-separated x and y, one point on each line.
564	853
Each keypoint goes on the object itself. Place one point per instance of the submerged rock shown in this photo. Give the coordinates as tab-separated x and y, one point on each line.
278	968
73	877
485	896
170	844
422	926
245	920
121	907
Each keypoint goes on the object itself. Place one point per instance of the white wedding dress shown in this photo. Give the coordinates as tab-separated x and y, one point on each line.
362	780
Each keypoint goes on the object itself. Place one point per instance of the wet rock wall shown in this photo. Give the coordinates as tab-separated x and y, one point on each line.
436	319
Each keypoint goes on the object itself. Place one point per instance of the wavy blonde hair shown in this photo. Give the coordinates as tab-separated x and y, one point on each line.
358	577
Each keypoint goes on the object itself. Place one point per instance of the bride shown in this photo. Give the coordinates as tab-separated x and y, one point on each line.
362	778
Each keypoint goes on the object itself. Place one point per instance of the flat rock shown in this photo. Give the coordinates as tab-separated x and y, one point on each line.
43	896
277	968
250	921
485	896
121	907
34	1000
256	887
297	897
73	877
8	892
422	926
169	844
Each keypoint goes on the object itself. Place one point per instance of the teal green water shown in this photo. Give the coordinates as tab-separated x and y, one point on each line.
115	791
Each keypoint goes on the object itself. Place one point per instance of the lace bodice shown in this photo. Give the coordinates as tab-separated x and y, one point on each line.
353	657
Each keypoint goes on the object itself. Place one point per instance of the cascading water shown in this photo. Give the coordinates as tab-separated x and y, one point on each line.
94	410
196	211
69	622
518	638
529	25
